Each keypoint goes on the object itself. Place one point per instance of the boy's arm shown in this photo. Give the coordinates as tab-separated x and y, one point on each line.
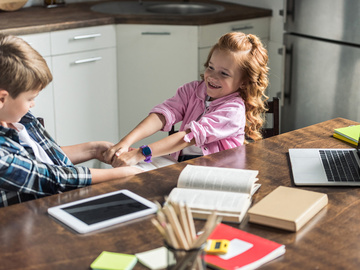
102	175
86	151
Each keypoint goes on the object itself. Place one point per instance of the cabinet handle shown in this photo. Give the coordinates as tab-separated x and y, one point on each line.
86	36
242	28
93	59
156	33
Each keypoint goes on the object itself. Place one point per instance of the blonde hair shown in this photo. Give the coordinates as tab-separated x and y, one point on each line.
22	68
252	60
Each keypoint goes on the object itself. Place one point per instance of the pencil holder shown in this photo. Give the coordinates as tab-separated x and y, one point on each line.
181	259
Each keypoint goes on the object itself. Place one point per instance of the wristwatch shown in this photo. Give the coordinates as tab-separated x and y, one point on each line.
146	151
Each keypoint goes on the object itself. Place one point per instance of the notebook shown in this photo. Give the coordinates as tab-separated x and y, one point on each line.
326	167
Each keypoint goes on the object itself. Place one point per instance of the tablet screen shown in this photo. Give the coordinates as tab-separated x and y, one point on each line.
105	208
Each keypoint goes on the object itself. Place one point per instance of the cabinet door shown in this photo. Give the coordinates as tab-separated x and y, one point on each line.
44	102
153	61
85	93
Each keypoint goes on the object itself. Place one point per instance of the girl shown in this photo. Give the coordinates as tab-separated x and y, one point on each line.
216	113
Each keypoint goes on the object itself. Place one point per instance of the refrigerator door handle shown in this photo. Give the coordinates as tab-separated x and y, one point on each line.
281	93
287	73
287	12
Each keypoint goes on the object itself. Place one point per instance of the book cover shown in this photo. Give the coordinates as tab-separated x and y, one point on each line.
114	261
338	136
351	133
246	251
287	208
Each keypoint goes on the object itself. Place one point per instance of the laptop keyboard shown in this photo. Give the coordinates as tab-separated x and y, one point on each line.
340	165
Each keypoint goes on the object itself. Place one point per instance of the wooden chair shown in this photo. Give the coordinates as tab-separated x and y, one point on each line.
41	120
274	108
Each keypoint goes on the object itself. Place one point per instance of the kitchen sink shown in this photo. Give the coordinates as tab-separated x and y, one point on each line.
173	8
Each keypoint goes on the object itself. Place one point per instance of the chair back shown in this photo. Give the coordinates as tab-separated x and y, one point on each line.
273	108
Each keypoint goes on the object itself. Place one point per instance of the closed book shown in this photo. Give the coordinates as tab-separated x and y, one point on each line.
351	133
245	251
287	208
338	136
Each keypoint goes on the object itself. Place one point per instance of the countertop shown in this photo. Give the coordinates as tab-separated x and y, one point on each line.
40	19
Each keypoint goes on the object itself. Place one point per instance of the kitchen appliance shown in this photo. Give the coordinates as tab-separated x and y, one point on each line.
322	62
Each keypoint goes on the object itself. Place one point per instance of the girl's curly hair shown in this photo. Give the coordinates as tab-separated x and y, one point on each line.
252	60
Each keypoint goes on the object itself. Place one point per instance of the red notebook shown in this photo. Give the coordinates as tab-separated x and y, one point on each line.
246	251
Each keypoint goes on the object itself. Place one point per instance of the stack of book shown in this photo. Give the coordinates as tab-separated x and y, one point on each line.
348	134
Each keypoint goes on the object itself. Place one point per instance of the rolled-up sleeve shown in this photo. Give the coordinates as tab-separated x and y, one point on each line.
174	108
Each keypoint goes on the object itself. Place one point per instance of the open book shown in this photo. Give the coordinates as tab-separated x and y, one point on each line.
226	190
157	162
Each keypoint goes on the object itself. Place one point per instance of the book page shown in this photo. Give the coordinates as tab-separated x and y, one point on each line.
215	178
210	199
157	162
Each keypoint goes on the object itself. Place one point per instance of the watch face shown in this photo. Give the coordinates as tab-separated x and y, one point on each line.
146	151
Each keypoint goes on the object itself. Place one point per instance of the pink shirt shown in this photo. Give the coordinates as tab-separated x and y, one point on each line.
219	127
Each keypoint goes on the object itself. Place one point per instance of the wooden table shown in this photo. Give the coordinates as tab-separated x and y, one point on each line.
30	239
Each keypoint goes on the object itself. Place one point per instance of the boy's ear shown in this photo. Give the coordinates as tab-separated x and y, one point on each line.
3	97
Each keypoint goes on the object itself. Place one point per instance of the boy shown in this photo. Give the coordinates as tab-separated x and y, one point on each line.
32	165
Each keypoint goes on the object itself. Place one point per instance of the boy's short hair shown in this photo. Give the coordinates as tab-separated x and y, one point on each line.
22	68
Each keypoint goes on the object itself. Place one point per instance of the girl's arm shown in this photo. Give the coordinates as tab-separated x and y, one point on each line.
86	151
150	125
167	145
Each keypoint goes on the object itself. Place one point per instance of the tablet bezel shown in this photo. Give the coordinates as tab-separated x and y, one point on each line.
81	227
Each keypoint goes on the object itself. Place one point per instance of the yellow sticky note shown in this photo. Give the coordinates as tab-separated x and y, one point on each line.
114	261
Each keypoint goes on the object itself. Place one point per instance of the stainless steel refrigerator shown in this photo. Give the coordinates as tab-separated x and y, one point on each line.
322	62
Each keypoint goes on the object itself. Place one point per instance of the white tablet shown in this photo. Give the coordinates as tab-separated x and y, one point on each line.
103	210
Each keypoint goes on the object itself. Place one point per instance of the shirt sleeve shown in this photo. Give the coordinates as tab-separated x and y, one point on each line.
21	174
226	121
174	108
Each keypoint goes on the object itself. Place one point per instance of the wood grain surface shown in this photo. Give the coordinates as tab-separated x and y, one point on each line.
30	239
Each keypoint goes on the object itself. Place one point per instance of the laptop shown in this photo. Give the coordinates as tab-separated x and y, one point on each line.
326	167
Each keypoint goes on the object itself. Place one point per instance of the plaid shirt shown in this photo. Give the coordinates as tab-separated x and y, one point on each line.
23	178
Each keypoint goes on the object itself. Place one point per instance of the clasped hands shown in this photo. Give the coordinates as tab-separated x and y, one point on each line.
122	155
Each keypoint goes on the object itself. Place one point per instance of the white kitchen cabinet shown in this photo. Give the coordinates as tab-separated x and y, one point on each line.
44	102
153	61
85	85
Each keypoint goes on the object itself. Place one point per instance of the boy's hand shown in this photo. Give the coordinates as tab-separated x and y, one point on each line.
116	150
132	157
101	148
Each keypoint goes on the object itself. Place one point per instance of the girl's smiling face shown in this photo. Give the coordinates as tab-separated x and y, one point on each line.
222	76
